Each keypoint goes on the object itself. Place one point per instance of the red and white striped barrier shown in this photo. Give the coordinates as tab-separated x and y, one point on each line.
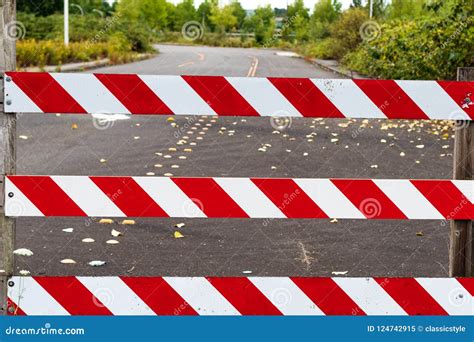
240	296
238	197
236	96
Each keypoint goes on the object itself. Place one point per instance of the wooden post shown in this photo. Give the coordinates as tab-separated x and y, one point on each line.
461	239
8	29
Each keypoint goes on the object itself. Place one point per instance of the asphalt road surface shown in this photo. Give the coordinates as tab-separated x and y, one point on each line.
73	145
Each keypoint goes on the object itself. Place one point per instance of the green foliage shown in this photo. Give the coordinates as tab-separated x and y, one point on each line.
239	12
296	27
223	18
184	12
151	13
424	49
262	23
345	31
325	12
50	52
204	13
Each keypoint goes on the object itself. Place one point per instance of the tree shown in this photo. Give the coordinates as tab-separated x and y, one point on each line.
400	9
204	13
223	18
184	12
262	23
296	22
325	12
356	3
239	12
151	13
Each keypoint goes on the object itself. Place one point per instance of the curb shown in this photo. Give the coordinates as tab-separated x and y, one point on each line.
350	74
82	65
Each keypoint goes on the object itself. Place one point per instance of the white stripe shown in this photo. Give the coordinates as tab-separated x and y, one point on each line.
19	204
263	96
466	187
450	294
249	197
202	296
351	101
88	196
408	199
329	198
116	296
169	197
30	297
178	95
369	296
433	100
90	93
20	102
286	296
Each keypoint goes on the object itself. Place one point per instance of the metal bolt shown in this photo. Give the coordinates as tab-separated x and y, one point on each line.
9	102
10	194
11	283
8	79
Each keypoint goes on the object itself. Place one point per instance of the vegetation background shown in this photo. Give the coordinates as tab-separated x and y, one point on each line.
405	39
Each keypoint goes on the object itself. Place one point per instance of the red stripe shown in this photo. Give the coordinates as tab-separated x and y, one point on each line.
13	309
46	92
210	197
459	92
159	296
306	97
411	296
46	195
328	296
134	94
468	284
73	296
391	99
289	198
368	198
220	95
244	296
446	198
129	196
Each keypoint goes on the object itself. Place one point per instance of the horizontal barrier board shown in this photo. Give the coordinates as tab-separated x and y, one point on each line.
239	296
237	96
238	197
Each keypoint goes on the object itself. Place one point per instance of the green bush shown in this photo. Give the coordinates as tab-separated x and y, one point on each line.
424	49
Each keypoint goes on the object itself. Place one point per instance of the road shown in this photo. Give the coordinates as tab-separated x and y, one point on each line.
72	145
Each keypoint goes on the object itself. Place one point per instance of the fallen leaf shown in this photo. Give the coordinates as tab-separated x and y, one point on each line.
333	220
24	137
339	273
88	240
106	221
419	234
24	272
178	235
67	261
170	119
129	222
150	173
74	126
103	160
112	242
115	233
23	252
179	225
68	230
97	263
402	154
247	272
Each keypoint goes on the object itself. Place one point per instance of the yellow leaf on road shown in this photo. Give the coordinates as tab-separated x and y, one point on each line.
178	235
